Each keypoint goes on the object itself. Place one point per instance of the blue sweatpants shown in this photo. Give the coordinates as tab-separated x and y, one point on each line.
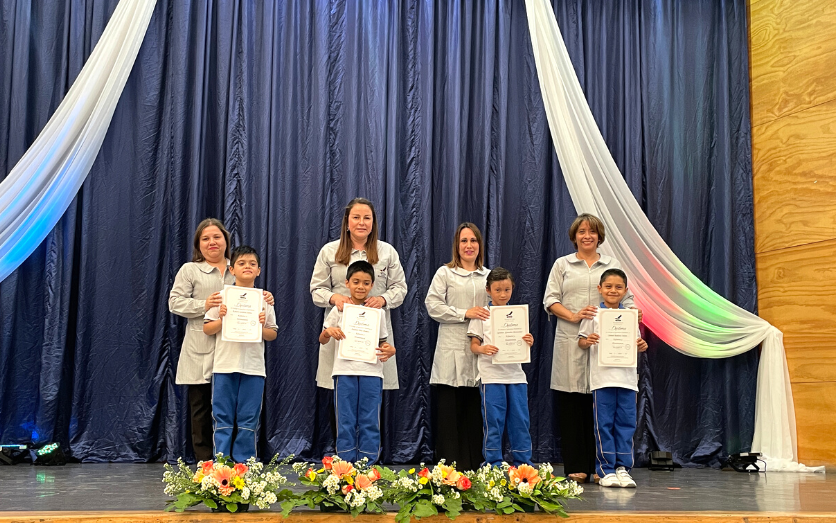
614	411
357	402
505	408
236	400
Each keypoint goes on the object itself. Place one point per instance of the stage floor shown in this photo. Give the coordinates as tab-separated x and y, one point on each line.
139	487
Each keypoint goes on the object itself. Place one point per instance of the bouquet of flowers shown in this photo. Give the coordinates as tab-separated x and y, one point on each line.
224	485
429	491
340	485
506	489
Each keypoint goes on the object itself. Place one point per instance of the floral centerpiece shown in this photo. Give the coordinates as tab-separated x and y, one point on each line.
506	489
340	485
224	485
429	491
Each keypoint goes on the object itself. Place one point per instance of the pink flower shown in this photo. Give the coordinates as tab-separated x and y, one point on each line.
347	489
424	473
363	482
224	477
206	467
449	475
373	475
240	469
342	469
463	483
523	474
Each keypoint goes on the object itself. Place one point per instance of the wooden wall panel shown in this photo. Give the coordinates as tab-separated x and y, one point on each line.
794	164
793	103
815	419
796	294
793	56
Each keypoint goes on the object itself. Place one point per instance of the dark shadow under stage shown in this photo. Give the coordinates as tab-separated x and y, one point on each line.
134	492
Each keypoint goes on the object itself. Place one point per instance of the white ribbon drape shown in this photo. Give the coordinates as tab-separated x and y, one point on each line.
38	190
678	307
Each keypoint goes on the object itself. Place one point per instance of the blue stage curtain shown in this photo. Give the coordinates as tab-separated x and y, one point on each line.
272	115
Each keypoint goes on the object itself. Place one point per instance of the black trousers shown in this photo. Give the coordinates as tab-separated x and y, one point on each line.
577	439
458	426
200	409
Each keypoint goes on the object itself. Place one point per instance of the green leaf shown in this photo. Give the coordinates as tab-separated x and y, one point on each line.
424	508
232	507
210	503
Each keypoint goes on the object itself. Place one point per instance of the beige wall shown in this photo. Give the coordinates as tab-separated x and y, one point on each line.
793	89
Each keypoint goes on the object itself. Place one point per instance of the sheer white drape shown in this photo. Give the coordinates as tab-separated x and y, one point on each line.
677	306
40	187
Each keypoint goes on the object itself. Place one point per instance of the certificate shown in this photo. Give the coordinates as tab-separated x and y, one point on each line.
619	330
509	323
361	326
243	305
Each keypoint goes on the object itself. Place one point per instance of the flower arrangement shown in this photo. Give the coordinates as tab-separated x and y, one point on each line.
506	489
224	485
341	485
429	491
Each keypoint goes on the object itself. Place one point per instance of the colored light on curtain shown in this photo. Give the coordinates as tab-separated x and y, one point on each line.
37	191
678	307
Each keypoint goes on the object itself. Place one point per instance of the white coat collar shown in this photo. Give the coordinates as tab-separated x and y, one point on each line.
462	272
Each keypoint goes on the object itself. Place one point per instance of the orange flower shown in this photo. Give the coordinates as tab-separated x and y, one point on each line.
449	475
240	469
373	475
363	482
342	469
224	477
524	474
206	467
463	483
425	473
326	462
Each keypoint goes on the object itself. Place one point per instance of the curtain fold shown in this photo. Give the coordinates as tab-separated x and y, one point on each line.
679	308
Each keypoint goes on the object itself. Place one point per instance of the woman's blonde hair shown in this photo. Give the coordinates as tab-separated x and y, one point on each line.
344	250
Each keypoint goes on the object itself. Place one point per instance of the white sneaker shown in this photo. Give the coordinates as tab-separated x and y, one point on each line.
624	478
610	480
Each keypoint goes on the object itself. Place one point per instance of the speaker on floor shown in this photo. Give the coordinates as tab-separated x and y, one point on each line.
661	460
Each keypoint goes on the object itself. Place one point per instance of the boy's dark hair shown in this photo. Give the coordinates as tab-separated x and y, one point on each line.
499	274
359	266
241	250
613	272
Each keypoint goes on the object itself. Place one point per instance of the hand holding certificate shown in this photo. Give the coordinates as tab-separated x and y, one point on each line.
361	326
619	330
509	323
243	306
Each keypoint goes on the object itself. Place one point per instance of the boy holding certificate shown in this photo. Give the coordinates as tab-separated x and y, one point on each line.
239	370
358	366
613	337
504	386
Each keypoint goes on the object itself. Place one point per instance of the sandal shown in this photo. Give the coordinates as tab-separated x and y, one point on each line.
578	477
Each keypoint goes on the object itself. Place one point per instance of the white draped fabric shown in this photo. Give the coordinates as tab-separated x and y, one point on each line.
678	307
38	190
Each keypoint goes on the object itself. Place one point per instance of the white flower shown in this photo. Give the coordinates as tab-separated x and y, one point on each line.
525	488
495	494
373	493
245	494
438	499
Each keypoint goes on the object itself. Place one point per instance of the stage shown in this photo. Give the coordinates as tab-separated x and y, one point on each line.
134	492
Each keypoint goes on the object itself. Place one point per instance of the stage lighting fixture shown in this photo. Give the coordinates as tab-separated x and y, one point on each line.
50	454
661	460
13	454
745	461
